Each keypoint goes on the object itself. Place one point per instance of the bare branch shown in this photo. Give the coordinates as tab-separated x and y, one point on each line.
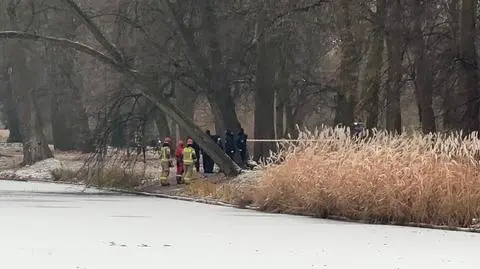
65	42
99	36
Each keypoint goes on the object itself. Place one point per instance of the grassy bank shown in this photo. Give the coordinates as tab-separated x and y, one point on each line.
422	179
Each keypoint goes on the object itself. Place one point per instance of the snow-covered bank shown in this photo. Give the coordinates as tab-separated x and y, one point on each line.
39	171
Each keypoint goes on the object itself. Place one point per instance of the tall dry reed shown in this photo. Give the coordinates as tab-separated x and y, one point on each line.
430	179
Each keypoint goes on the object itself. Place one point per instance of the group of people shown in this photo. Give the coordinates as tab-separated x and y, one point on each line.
232	146
185	160
187	156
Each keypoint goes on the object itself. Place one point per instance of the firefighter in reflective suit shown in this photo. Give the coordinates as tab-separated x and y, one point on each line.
189	160
165	162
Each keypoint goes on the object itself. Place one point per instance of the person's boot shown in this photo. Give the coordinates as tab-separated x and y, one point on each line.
165	184
179	180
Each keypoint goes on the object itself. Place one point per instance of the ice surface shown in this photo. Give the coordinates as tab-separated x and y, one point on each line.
41	227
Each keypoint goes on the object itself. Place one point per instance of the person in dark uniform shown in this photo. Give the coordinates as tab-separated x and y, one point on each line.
218	141
230	144
207	160
242	146
196	147
358	130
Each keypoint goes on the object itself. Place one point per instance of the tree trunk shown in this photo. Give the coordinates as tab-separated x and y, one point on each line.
186	102
453	103
423	71
264	93
213	77
35	146
224	111
393	35
371	89
119	132
13	123
283	92
343	112
290	122
278	114
347	100
264	97
469	65
162	125
373	72
69	119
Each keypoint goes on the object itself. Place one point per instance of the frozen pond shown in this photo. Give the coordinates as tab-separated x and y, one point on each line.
47	226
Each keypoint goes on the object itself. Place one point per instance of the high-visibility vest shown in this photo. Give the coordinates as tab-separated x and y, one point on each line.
165	154
189	155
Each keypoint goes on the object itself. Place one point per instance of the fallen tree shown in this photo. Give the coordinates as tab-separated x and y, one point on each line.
149	89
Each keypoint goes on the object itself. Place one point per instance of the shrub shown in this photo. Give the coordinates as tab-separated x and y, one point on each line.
222	190
116	177
65	175
111	177
430	179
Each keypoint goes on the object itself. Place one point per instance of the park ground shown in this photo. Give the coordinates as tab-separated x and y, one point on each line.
129	174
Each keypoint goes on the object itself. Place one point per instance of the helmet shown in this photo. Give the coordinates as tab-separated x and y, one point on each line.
189	141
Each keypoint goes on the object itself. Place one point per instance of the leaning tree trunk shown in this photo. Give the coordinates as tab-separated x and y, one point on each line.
469	65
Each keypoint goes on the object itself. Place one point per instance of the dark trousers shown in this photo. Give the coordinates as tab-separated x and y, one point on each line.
243	156
231	155
197	164
207	164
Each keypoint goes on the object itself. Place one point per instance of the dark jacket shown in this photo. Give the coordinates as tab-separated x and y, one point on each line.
242	141
218	140
230	143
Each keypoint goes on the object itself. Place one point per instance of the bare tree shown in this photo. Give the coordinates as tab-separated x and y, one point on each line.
21	75
394	31
468	65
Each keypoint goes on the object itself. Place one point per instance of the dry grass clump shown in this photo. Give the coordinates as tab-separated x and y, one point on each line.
430	179
222	190
111	177
65	175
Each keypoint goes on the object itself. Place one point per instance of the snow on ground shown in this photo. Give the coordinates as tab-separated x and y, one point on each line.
40	228
39	171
